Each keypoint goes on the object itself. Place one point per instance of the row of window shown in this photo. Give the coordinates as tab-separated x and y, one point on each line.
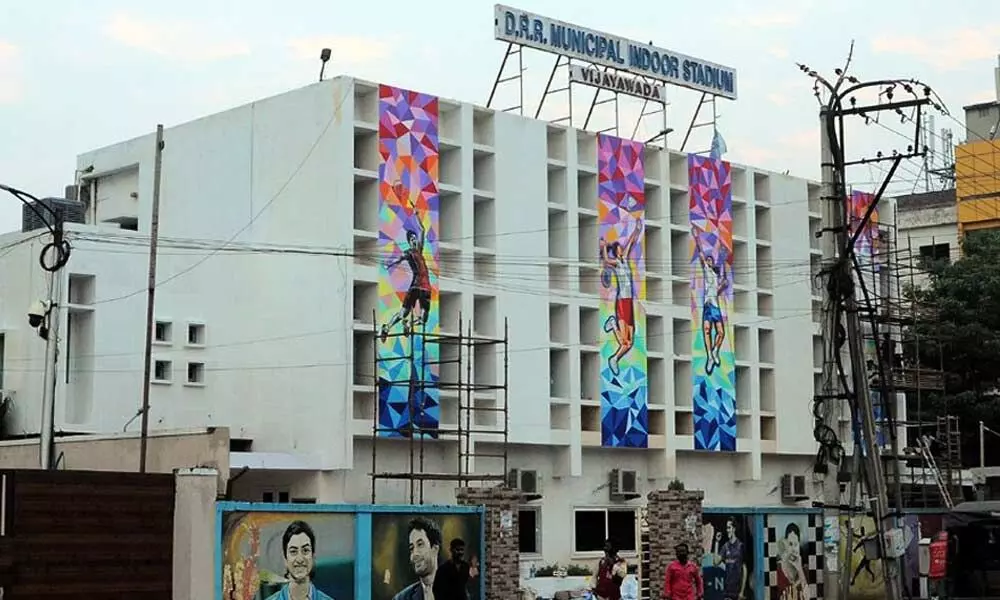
591	527
163	333
163	372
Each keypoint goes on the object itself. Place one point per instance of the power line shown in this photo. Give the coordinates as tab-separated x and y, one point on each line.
316	364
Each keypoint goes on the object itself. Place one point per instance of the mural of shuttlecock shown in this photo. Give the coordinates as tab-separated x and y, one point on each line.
387	577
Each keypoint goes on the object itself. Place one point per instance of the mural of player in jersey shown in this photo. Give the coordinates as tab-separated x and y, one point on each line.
713	319
616	258
417	302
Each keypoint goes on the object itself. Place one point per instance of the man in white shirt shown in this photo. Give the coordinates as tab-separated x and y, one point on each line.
617	259
713	320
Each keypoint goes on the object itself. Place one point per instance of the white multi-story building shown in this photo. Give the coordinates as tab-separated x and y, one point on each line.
927	230
264	304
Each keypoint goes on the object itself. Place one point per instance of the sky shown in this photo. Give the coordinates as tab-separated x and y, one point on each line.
75	76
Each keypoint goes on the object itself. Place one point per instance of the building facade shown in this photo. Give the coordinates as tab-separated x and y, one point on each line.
927	231
662	310
976	169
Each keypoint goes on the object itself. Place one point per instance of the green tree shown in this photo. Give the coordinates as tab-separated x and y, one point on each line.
958	328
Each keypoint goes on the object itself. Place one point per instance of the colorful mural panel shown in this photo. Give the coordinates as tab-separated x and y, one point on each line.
857	205
275	556
621	213
439	551
713	358
793	551
866	575
408	398
727	561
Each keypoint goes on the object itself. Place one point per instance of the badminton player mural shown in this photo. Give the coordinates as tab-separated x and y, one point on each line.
620	214
713	359
408	398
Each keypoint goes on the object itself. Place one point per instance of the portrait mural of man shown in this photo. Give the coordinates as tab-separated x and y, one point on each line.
727	559
426	557
287	556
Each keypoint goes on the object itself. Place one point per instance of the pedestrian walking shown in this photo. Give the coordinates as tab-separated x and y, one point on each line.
683	579
611	572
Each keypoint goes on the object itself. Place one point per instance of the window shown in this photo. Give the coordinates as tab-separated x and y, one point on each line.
196	334
528	530
163	332
196	373
935	253
162	371
275	496
593	526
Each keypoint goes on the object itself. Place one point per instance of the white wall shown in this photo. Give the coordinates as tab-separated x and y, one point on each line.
278	303
791	318
274	349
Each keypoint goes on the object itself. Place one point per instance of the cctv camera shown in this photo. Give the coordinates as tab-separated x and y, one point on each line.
36	314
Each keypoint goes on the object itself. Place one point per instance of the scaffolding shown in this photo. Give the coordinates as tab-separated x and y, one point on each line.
928	468
477	430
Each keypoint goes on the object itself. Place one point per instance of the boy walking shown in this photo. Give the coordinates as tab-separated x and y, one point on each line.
683	580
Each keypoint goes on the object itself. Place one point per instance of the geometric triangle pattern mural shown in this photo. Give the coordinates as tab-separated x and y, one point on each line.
713	361
621	212
408	272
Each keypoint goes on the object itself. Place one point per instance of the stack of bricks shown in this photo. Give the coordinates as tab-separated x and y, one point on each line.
501	566
669	515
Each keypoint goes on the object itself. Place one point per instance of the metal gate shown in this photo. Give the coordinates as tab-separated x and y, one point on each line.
79	534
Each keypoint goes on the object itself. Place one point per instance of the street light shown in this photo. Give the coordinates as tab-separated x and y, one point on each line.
663	133
44	315
54	224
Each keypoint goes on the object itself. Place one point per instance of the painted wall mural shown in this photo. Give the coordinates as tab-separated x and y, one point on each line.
866	576
857	205
727	562
408	398
866	250
793	553
272	555
713	358
621	213
441	551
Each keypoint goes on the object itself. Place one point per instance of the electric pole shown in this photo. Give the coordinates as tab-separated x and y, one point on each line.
844	285
154	236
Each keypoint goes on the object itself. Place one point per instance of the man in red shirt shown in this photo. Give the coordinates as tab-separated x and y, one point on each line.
683	580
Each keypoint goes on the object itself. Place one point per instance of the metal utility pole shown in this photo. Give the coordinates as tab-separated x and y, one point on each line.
844	288
50	378
982	446
154	233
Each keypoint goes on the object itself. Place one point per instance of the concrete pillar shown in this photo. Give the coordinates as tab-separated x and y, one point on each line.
194	533
673	516
501	565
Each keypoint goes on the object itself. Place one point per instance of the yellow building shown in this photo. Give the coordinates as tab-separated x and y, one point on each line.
977	167
977	185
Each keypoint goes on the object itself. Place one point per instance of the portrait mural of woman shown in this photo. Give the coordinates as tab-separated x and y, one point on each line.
423	556
287	556
794	554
